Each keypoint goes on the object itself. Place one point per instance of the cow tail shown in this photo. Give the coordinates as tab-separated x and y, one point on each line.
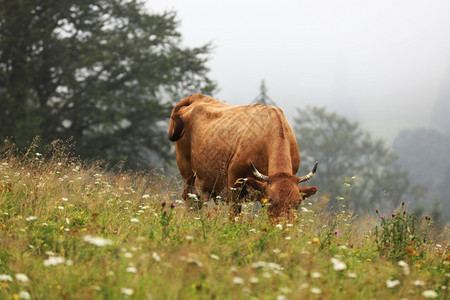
176	125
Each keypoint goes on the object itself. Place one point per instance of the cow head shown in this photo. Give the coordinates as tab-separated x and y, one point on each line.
282	190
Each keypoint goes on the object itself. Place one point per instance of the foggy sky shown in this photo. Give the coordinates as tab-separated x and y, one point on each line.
382	63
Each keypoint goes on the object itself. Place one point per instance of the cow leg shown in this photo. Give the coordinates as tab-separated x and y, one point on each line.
237	195
189	188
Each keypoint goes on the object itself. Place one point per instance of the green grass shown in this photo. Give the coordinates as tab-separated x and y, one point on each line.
55	207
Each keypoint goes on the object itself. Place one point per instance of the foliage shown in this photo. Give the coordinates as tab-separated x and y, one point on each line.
71	230
343	149
402	236
424	153
101	72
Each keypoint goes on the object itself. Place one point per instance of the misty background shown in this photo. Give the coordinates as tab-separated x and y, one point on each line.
364	85
383	63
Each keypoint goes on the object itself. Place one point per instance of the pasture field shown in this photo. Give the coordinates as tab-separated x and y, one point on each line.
75	231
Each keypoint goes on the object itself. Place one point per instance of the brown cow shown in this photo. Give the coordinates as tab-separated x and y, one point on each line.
218	146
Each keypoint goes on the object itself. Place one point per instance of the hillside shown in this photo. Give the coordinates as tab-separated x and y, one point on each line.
70	230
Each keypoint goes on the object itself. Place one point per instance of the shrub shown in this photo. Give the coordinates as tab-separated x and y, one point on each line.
402	235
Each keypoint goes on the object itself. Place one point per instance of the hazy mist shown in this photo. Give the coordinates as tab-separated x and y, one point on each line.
383	63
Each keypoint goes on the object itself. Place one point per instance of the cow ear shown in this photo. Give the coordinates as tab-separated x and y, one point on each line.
307	191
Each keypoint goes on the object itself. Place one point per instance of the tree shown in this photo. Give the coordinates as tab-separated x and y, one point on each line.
424	152
344	150
103	72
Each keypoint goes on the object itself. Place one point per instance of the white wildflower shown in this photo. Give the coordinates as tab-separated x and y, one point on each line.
131	269
281	297
192	259
316	275
351	275
338	265
429	294
253	280
24	295
189	237
238	280
213	256
192	196
288	238
64	199
5	277
279	226
146	196
54	260
31	218
276	251
156	257
134	220
22	277
418	283
61	207
96	287
392	283
97	241
127	291
405	267
275	266
315	290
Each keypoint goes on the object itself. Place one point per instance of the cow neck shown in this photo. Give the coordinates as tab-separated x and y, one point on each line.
279	152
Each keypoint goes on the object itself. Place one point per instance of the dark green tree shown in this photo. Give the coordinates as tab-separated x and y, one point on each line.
102	72
344	150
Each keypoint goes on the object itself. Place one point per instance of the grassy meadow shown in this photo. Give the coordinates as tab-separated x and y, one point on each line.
70	230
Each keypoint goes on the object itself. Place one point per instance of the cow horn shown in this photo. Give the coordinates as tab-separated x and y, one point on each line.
309	175
257	174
